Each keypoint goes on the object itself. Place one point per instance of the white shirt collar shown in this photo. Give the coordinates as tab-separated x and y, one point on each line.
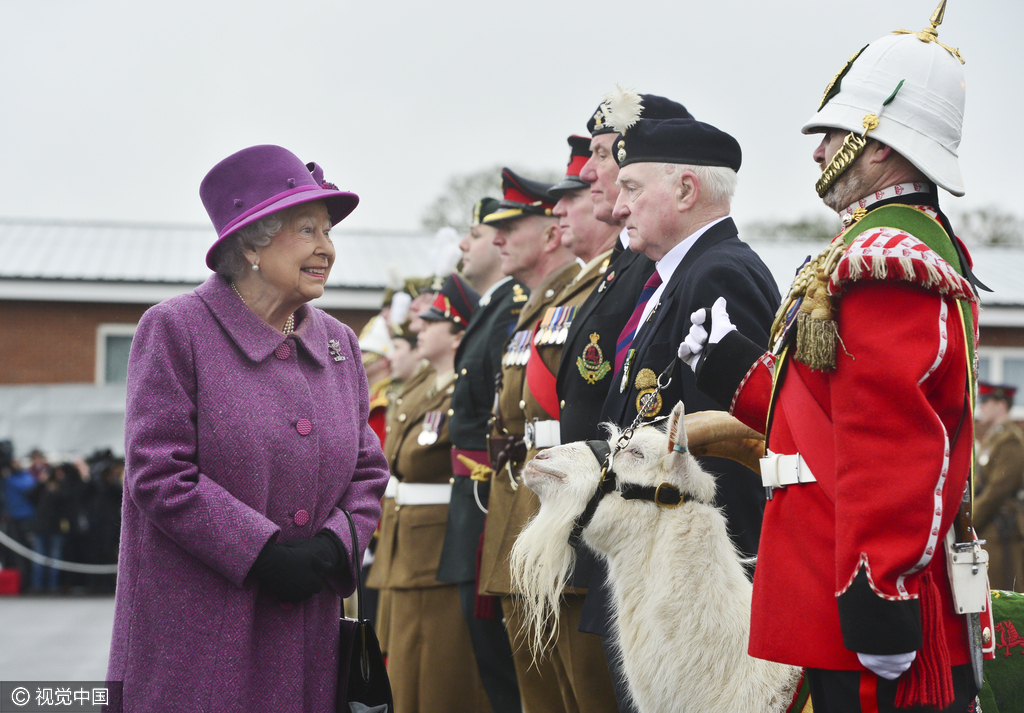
668	264
624	238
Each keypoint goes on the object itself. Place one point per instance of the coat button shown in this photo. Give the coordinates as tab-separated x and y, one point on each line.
463	372
522	404
301	518
986	636
304	426
561	404
283	351
451	412
401	418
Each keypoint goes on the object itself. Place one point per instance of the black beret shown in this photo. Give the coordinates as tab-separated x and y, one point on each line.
654	107
677	141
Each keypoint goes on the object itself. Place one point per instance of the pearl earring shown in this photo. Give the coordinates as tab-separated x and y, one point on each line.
255	267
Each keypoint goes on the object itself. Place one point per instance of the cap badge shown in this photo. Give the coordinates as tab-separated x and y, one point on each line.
622	150
592	365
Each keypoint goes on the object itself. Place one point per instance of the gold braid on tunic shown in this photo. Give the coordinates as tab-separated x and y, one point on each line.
816	333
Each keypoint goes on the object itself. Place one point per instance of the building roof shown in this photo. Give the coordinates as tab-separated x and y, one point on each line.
147	263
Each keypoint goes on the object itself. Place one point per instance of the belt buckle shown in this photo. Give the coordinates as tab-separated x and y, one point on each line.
530	435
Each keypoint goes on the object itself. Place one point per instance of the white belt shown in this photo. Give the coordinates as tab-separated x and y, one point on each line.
418	493
542	434
778	471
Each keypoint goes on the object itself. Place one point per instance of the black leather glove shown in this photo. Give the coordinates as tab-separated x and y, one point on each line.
325	546
291	573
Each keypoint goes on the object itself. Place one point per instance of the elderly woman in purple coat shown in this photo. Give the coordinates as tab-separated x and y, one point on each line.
246	440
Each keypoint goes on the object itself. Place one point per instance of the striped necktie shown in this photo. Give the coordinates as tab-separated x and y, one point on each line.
629	331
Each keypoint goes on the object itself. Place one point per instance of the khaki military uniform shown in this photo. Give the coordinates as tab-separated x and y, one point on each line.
577	661
999	505
430	658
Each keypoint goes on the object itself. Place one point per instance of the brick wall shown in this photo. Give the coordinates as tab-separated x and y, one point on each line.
55	342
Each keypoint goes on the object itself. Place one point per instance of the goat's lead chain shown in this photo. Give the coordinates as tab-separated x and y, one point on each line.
664	379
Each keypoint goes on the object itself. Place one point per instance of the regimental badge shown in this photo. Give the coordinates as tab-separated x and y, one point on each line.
518	295
592	365
431	428
599	115
622	151
647	383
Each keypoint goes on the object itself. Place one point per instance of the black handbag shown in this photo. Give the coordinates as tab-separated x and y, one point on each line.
363	684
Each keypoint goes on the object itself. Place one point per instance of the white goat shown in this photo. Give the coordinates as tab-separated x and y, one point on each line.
682	602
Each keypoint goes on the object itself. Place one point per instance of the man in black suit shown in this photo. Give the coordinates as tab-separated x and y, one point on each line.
677	178
477	362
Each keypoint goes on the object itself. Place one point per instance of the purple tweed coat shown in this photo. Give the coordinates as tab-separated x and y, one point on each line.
236	435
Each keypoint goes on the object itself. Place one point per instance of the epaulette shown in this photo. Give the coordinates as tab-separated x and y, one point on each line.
868	249
888	254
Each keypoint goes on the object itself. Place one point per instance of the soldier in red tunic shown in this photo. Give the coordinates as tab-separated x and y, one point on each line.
866	400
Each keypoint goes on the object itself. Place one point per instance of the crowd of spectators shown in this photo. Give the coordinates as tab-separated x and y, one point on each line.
69	511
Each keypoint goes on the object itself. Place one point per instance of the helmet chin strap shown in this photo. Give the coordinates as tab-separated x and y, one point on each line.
853	146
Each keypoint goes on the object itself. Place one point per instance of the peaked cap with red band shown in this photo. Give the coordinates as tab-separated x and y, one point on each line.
996	391
520	196
455	303
579	154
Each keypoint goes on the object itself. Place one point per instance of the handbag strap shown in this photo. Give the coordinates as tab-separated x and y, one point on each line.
356	565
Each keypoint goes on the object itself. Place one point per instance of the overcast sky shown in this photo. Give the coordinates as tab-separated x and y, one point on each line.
116	110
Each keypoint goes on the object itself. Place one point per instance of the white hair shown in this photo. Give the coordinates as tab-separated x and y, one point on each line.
717	183
229	259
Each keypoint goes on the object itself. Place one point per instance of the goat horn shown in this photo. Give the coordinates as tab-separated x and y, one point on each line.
719	435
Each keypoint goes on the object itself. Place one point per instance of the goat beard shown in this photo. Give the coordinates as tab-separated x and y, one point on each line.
542	562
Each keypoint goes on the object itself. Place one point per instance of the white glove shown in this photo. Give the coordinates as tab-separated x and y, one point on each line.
889	667
693	345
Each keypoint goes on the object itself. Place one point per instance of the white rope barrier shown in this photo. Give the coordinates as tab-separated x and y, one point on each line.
55	564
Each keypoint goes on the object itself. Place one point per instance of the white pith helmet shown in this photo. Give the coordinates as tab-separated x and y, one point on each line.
923	83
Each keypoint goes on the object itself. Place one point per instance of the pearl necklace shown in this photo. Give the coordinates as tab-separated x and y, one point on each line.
289	324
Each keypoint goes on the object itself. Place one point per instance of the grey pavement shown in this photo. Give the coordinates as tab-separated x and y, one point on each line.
55	638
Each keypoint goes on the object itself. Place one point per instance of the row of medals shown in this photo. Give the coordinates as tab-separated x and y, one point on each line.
553	329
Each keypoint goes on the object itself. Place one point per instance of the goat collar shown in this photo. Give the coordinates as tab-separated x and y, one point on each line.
603	452
664	495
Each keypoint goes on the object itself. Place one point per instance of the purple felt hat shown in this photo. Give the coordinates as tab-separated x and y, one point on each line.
261	180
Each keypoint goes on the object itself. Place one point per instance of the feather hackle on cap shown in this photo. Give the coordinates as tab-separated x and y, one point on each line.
624	108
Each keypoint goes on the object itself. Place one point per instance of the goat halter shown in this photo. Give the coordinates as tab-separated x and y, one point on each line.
664	495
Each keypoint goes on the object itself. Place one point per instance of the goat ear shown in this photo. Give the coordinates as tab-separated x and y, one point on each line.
676	430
